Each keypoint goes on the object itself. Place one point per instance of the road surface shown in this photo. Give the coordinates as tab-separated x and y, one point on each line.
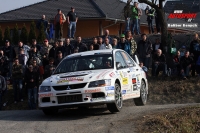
93	120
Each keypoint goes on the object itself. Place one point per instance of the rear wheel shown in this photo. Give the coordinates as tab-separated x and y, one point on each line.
50	111
142	100
117	105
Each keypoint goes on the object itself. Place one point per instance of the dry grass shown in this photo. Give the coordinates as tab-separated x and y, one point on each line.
184	120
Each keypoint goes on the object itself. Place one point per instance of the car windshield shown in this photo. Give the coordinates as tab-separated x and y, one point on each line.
89	62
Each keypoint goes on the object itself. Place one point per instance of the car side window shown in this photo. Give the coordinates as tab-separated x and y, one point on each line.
128	60
120	63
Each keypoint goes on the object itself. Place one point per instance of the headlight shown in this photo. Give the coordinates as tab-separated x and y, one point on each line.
45	89
100	83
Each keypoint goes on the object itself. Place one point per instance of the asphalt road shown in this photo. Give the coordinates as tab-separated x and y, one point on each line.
93	120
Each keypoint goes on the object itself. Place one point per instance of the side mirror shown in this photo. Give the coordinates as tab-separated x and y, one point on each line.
136	60
118	65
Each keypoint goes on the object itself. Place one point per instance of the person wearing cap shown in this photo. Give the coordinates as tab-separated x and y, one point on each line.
150	16
186	64
144	50
45	23
134	18
72	19
46	48
182	50
58	23
106	44
10	53
124	45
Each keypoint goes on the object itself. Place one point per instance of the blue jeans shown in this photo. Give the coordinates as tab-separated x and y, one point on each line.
139	26
32	98
71	29
145	61
135	26
127	26
150	24
17	84
46	34
159	67
186	71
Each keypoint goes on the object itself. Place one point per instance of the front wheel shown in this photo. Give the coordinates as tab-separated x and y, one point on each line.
50	111
142	100
117	105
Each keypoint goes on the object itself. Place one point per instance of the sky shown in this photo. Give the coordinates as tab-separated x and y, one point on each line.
5	5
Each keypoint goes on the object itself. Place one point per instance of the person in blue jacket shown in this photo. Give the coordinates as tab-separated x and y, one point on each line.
123	44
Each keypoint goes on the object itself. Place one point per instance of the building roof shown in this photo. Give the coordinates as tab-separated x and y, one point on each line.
84	9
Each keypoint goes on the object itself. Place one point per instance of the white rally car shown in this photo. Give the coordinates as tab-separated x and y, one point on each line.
94	77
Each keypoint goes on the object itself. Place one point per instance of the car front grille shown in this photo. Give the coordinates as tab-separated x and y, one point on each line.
69	87
69	99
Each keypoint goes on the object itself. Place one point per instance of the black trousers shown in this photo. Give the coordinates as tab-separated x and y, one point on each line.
58	31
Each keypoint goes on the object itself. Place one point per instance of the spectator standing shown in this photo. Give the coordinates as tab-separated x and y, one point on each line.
32	83
95	44
107	35
150	16
68	47
79	45
34	43
17	75
114	43
53	50
106	44
157	21
59	58
4	68
58	22
134	18
46	48
22	59
60	48
127	16
35	54
45	23
144	50
49	68
157	45
26	48
159	63
182	51
198	66
132	43
186	64
10	53
195	50
123	44
72	19
3	87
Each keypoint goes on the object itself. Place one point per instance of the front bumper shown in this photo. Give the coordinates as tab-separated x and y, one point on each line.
77	97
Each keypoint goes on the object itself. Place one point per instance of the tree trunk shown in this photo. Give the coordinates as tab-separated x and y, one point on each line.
163	24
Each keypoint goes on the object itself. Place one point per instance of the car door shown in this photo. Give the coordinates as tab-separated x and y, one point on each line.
134	75
122	71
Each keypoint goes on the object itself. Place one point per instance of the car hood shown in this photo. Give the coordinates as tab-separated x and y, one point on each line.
76	77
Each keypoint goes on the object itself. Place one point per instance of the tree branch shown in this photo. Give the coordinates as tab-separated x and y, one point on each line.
149	3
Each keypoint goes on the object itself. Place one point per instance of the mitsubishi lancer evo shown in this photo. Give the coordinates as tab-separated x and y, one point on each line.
92	78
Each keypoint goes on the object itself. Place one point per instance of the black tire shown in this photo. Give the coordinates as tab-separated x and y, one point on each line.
50	111
142	100
117	105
